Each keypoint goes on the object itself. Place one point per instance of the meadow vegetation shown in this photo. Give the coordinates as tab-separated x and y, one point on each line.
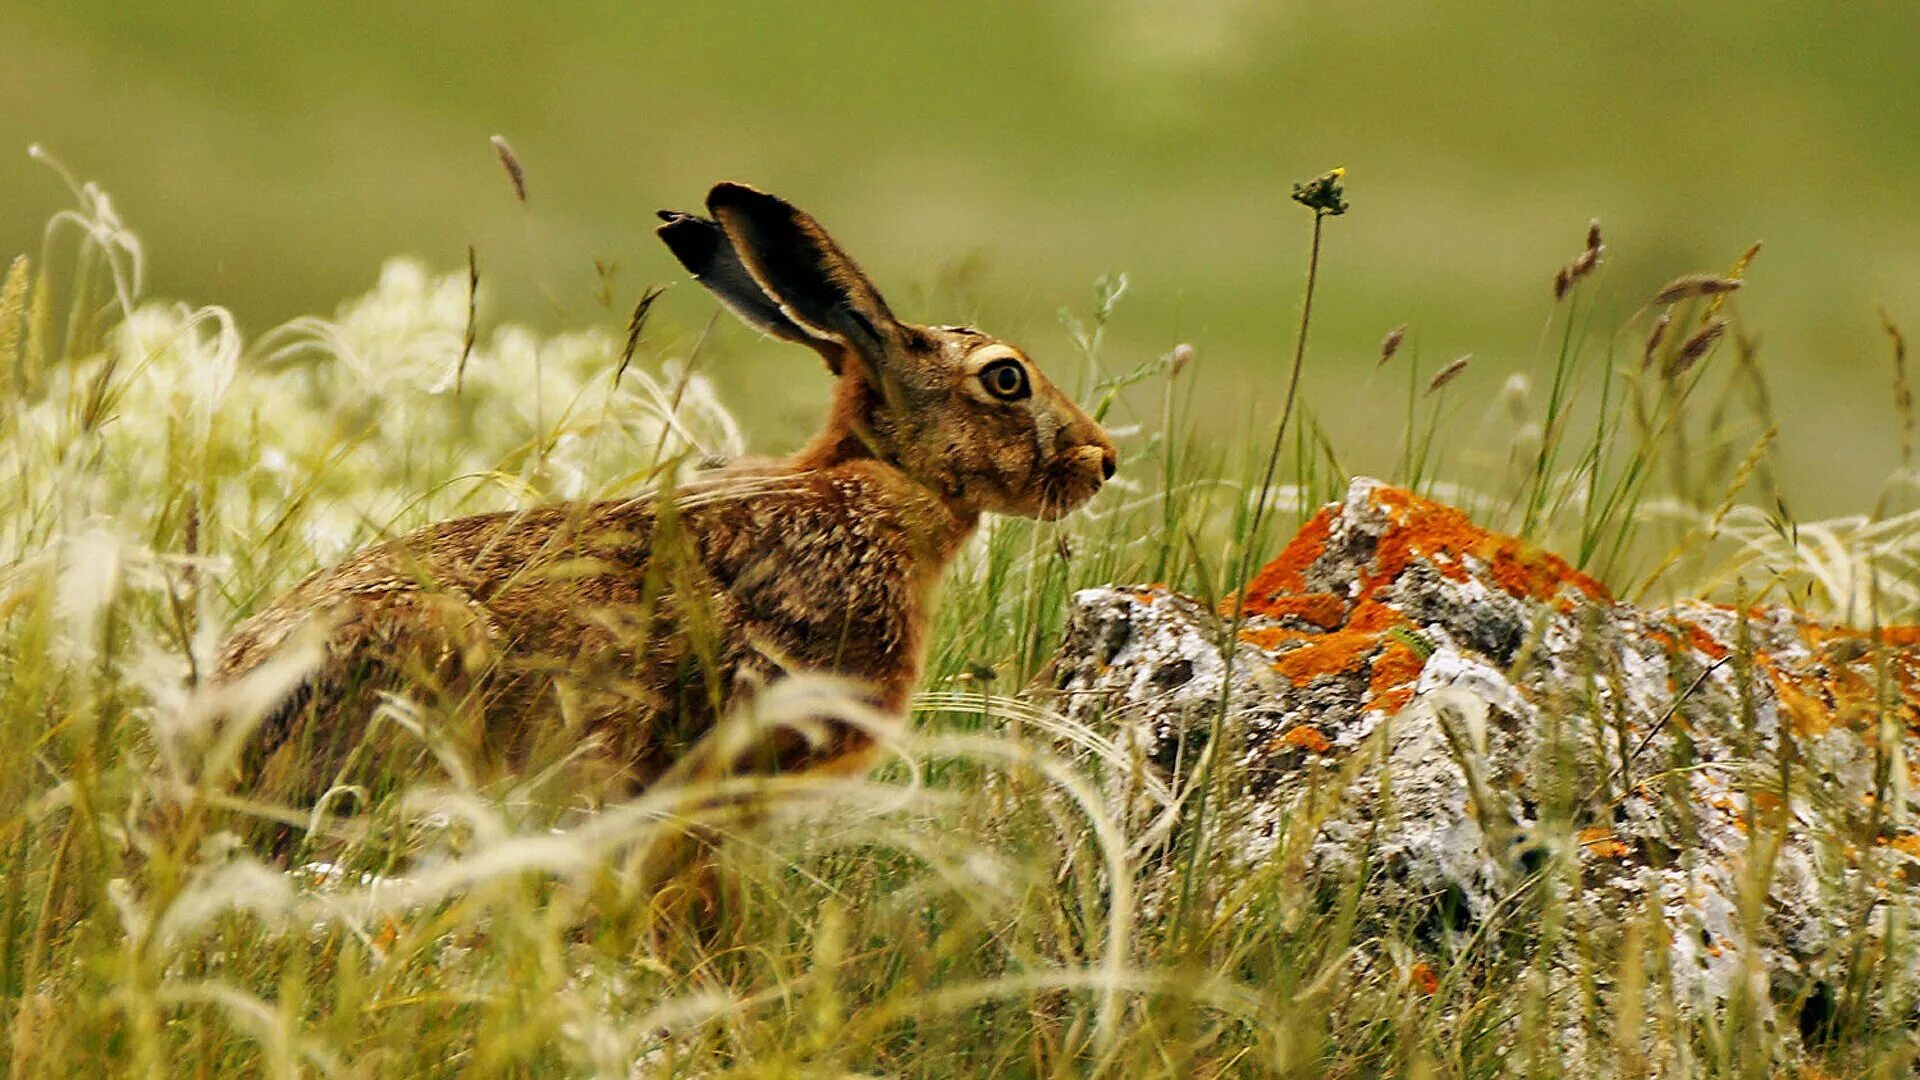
974	908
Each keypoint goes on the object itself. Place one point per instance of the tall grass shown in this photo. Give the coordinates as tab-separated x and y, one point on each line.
978	907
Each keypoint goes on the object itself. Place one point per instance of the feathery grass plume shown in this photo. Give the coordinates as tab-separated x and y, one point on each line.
1178	359
36	352
1689	286
13	314
1391	344
1447	374
1902	388
510	161
1696	346
473	311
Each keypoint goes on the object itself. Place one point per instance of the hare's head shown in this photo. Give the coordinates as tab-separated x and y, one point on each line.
964	413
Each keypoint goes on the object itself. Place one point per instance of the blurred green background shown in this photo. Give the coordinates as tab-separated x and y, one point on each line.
987	161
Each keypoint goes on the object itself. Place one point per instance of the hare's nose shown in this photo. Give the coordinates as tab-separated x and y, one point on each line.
1091	454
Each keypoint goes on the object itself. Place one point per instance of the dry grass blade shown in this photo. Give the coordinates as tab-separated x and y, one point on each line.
473	310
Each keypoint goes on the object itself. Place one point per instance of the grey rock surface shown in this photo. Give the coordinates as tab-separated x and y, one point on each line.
1471	720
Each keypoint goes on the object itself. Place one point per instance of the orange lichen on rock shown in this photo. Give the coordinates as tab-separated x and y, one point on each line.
1422	975
1355	637
1801	700
1308	738
1286	575
1354	646
1271	637
1698	637
1422	528
1600	842
1390	686
1909	844
1324	610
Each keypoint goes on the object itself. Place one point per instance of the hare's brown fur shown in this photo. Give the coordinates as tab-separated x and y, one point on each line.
630	623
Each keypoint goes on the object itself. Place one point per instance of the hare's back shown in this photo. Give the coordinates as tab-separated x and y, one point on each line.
471	562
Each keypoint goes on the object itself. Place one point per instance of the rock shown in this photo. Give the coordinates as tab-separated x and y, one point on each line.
1525	720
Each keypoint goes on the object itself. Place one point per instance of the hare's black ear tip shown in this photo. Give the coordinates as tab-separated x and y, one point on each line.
729	193
673	223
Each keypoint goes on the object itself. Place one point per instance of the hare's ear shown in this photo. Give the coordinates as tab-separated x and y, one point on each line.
703	248
817	287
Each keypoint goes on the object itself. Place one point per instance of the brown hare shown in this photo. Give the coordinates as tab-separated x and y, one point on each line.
625	627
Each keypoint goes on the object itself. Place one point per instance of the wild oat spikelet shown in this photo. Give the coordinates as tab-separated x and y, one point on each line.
1391	343
1692	349
1748	466
511	162
1449	373
1689	286
636	323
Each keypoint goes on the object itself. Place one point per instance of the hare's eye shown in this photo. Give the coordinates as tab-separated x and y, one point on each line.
1006	380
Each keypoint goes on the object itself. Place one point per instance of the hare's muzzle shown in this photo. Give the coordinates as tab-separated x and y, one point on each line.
1093	458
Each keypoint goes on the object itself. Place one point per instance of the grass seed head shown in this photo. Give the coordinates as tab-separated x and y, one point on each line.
1902	387
511	162
1391	343
1654	337
1323	194
1449	373
1692	285
1695	347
